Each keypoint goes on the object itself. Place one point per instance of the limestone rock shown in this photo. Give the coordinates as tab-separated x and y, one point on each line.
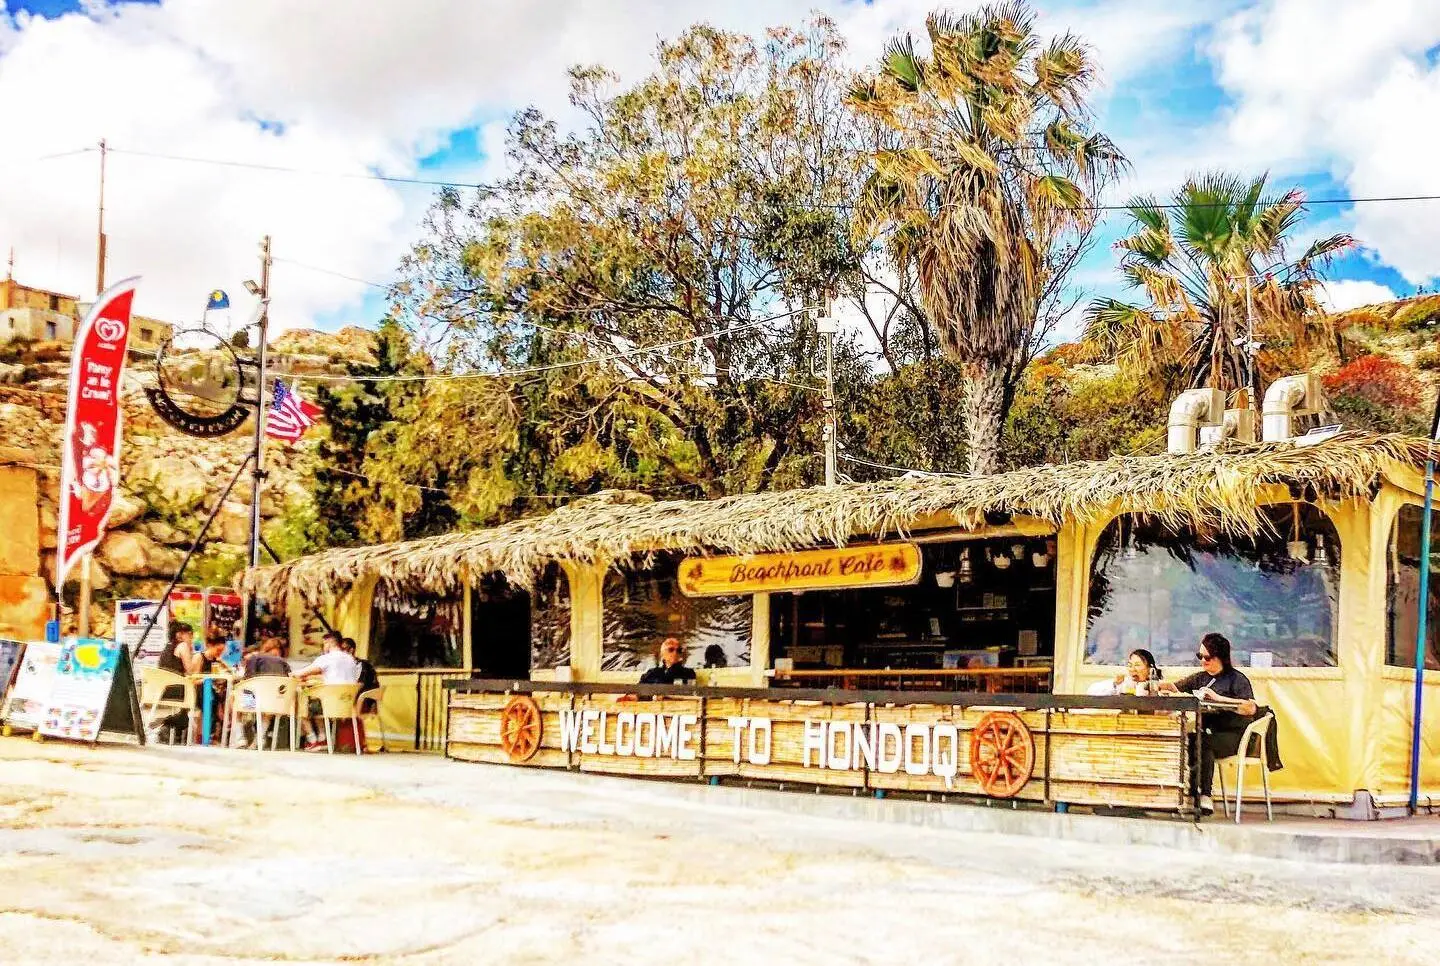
162	532
232	525
11	373
99	577
176	484
49	525
127	553
124	510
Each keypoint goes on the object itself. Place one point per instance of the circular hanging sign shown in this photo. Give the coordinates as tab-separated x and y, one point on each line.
1002	754
520	728
198	385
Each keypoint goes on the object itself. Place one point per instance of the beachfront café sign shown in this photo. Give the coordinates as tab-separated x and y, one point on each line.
872	565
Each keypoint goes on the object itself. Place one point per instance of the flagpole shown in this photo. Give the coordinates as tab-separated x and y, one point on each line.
82	609
258	452
1421	629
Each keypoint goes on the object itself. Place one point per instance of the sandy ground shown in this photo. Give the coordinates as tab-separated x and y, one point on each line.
116	855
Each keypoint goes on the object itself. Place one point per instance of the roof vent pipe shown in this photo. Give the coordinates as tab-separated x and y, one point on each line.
1191	410
1287	398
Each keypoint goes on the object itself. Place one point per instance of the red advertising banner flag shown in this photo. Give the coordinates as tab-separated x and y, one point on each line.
90	458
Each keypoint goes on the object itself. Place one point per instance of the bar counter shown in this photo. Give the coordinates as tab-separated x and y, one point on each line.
1037	748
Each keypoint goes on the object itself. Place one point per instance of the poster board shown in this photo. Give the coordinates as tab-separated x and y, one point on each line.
187	606
10	654
30	694
131	618
225	612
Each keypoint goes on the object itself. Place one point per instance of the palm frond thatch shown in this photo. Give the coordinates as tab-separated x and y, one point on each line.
1219	490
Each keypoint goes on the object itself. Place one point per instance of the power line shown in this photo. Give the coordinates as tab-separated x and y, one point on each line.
285	169
898	469
533	370
437	183
331	271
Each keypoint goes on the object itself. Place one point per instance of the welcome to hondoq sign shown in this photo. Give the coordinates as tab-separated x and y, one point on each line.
875	565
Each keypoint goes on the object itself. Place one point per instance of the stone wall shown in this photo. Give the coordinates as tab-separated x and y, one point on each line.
24	594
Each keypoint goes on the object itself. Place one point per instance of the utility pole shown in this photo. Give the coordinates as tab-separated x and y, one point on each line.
258	452
826	326
82	617
1252	348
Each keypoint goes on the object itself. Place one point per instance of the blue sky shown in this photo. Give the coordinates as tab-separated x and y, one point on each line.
1320	93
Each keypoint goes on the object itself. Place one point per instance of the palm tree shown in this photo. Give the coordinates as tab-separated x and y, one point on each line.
985	189
1194	260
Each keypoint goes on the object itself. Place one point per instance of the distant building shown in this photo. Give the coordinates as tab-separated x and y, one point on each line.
44	316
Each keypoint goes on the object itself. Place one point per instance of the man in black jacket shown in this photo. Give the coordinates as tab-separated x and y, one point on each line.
671	669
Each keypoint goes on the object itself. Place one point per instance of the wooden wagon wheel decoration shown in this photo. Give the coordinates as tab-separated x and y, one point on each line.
520	728
1002	754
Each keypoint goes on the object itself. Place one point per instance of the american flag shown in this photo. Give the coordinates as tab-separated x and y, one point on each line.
290	415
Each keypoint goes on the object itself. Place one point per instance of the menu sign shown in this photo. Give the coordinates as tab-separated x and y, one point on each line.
30	696
874	565
80	688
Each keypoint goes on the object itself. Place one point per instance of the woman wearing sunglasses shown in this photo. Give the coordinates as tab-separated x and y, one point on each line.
1217	682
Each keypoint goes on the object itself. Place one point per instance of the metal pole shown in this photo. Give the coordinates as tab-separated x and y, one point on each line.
82	616
826	326
258	451
1421	628
1251	351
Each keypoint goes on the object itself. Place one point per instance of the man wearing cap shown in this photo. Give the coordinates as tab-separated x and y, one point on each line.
671	669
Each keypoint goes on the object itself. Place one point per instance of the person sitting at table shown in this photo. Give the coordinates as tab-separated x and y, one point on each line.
1141	676
671	669
334	666
369	680
177	657
265	660
1217	682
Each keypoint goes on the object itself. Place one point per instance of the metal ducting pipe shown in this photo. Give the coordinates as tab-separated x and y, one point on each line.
1192	409
1284	399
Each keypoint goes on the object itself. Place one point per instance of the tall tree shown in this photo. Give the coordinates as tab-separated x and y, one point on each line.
985	190
1193	262
702	209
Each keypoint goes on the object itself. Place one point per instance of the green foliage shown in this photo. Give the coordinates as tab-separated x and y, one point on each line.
215	566
702	204
351	502
1191	263
983	186
1065	413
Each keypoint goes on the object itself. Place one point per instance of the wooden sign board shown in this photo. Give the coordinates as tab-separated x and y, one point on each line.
1089	757
873	565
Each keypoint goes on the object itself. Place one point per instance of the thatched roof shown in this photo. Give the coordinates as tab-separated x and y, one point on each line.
1209	489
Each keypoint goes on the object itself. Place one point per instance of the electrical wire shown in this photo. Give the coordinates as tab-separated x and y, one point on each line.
330	271
285	169
532	370
898	469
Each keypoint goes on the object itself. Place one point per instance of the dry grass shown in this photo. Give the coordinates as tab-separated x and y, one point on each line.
1210	489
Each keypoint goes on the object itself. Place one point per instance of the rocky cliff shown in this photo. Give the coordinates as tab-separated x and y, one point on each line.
170	481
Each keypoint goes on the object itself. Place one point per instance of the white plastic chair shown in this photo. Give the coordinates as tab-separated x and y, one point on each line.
338	702
1258	731
378	696
154	682
274	696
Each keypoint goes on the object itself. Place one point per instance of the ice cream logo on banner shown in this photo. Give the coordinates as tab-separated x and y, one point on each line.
90	471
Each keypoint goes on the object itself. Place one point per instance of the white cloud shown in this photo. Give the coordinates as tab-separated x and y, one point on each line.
359	86
1344	87
1350	293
